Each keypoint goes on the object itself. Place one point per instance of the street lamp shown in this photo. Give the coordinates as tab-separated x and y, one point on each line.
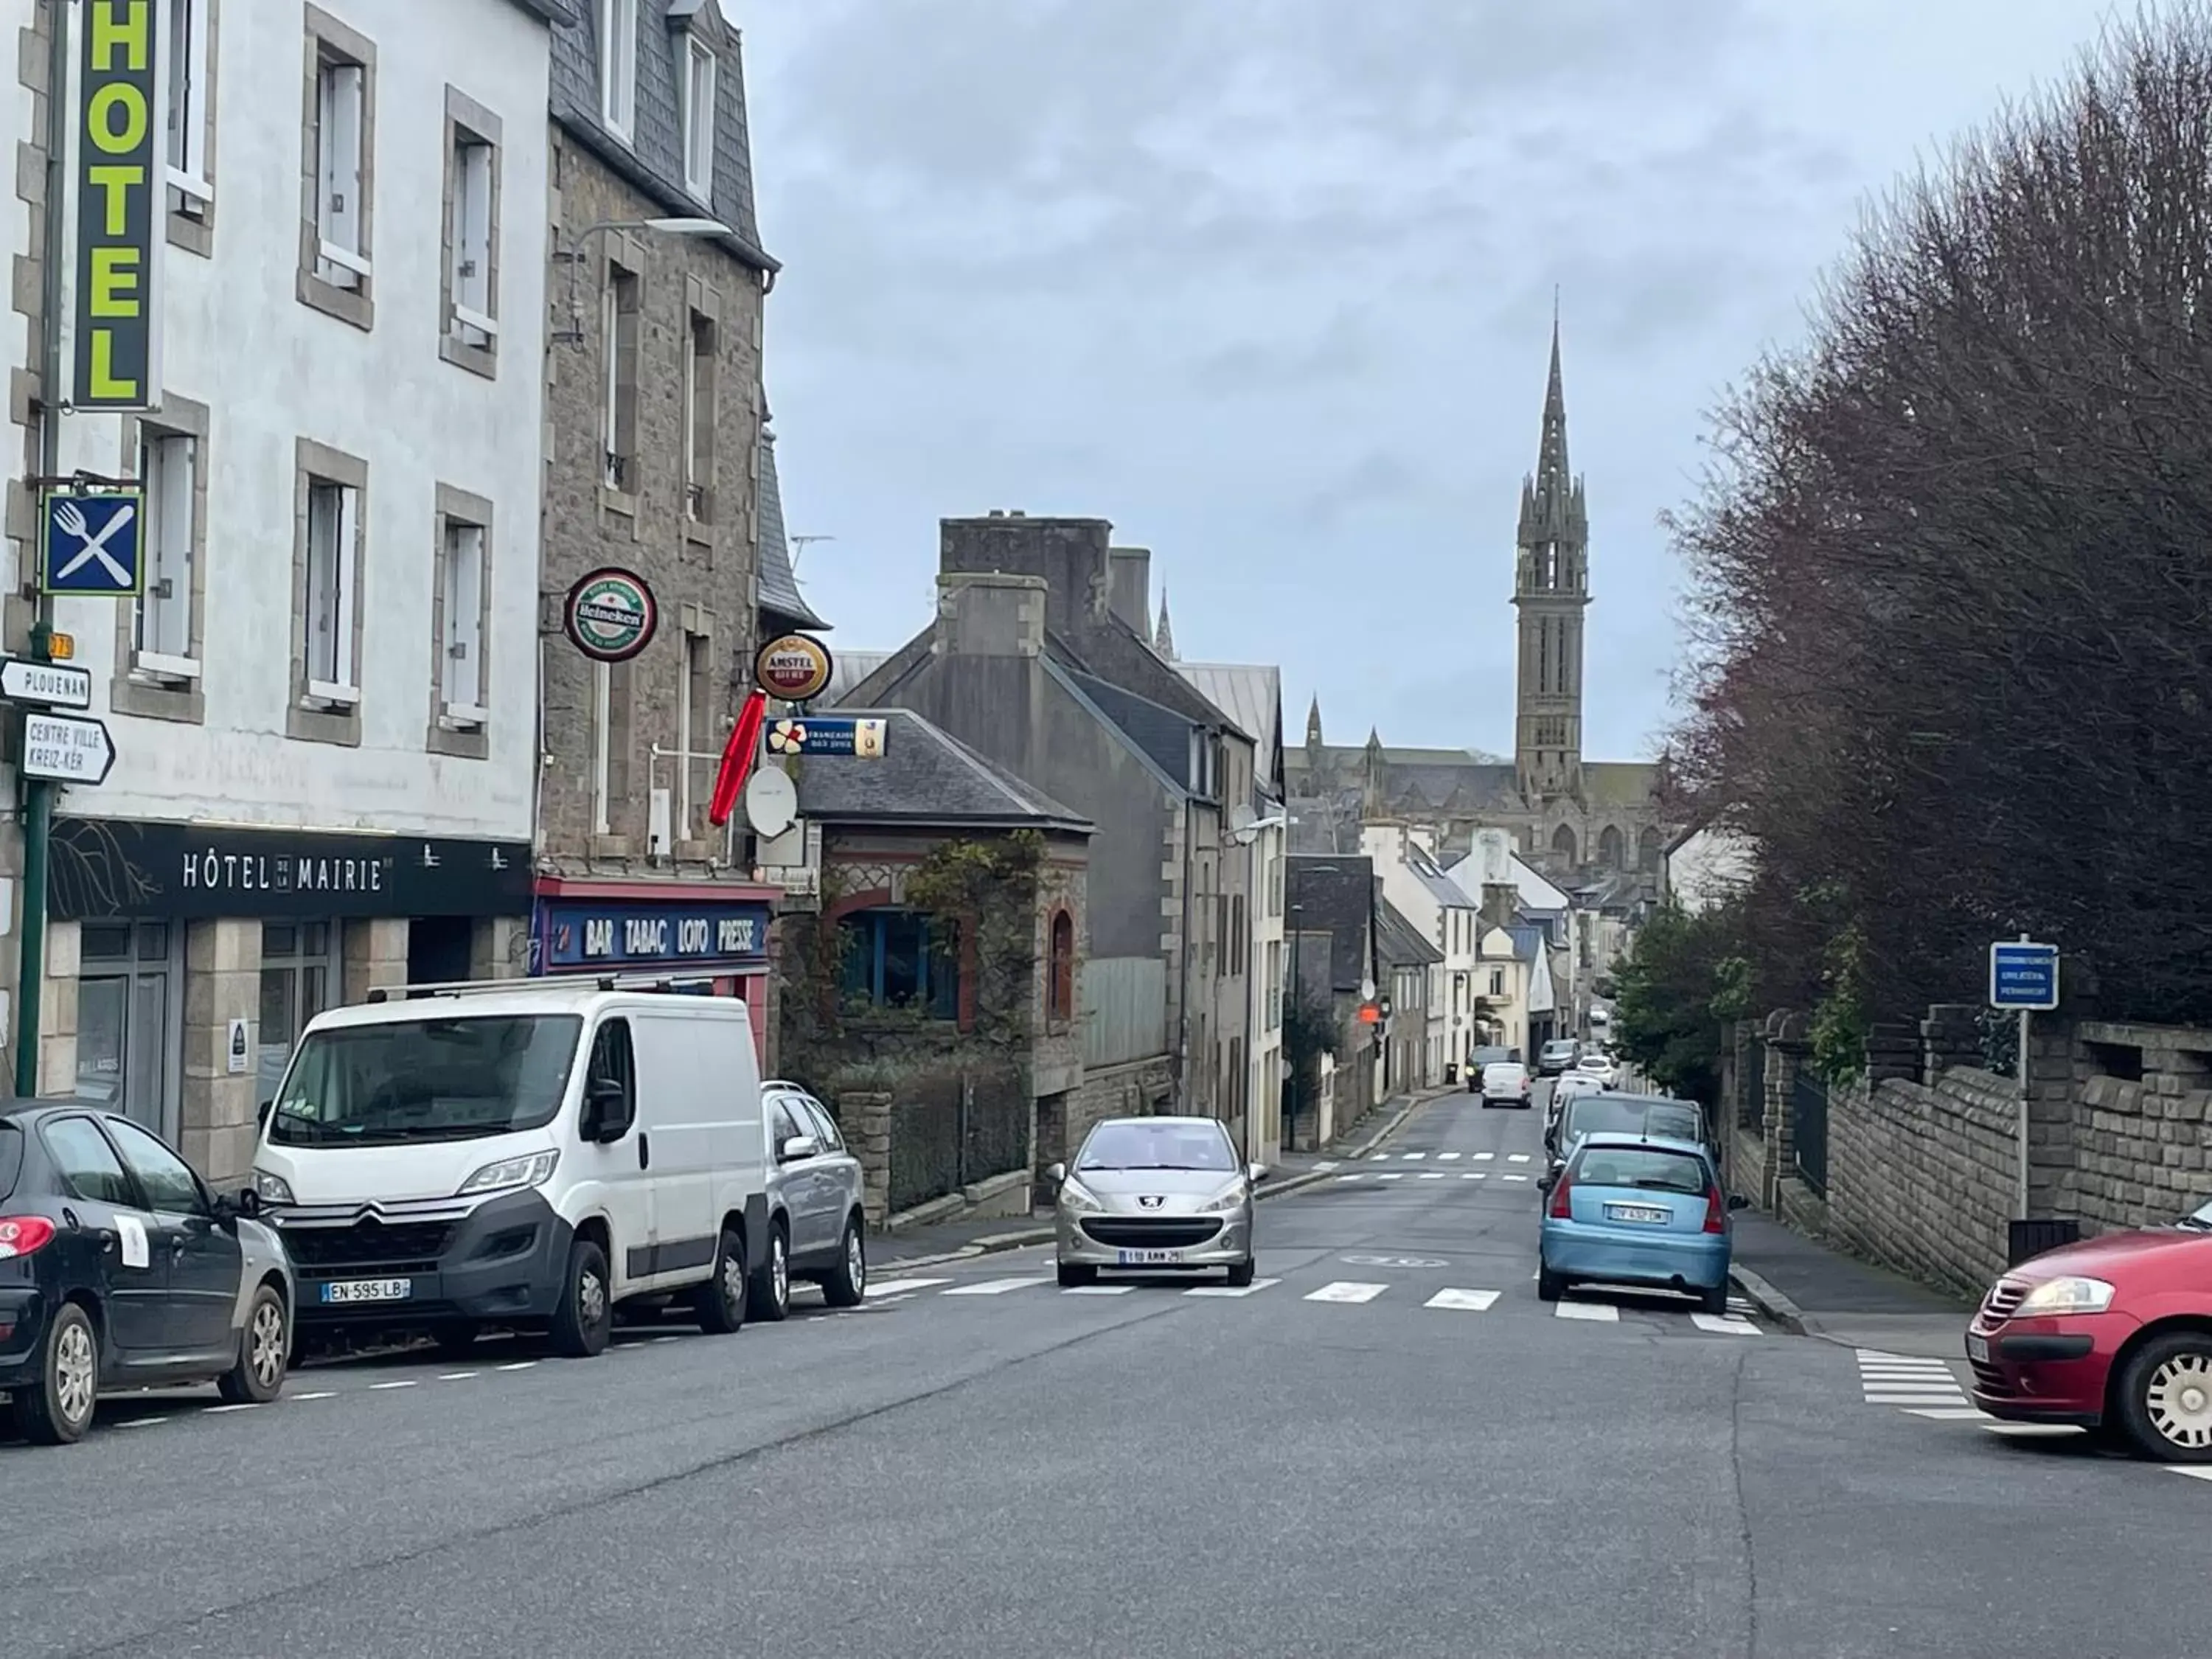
573	255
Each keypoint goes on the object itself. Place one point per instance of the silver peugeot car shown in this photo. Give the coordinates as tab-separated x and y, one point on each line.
1155	1195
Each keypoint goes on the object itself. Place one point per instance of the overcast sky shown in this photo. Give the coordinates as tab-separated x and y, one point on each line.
1268	283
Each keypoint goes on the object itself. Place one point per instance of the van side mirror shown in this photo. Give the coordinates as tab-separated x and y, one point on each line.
1055	1173
261	1113
606	1115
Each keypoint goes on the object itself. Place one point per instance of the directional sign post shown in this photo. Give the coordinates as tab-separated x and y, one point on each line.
2024	978
92	543
47	685
67	749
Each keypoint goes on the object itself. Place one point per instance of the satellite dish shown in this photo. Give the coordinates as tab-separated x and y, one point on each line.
1241	818
771	803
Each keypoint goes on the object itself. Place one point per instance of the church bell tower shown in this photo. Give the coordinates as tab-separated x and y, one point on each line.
1551	590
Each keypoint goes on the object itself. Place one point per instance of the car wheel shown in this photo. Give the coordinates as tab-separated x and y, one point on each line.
1550	1286
847	1284
771	1288
264	1348
2166	1398
1071	1274
1240	1275
722	1299
57	1409
584	1318
1714	1301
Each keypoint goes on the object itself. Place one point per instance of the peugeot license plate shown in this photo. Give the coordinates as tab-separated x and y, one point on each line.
1638	1212
1977	1349
369	1290
1149	1258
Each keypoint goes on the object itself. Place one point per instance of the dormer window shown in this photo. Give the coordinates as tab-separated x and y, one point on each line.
699	76
618	66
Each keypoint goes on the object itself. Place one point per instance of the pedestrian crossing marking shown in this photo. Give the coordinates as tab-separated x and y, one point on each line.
2029	1431
1392	1175
1415	1158
1096	1290
1484	1157
901	1286
1432	1175
1449	1157
1516	1177
1326	1164
1252	1289
1720	1326
1516	1158
998	1286
2194	1471
1950	1413
1345	1289
1467	1301
1603	1313
1474	1174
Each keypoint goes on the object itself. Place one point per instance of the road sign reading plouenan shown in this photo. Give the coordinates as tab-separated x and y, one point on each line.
67	749
48	684
2023	975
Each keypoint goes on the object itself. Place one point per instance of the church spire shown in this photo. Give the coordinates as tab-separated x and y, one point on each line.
1164	637
1313	722
1551	588
1554	479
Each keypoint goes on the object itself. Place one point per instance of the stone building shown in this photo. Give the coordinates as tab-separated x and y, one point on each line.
1041	657
945	967
1575	818
657	465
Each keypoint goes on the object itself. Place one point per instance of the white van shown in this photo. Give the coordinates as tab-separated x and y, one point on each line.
526	1154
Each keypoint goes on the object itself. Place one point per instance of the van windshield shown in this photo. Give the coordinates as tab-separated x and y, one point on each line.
426	1079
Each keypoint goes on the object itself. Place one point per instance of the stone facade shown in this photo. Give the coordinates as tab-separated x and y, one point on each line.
701	568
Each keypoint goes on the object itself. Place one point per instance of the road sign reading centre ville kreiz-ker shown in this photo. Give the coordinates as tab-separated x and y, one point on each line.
2023	975
67	749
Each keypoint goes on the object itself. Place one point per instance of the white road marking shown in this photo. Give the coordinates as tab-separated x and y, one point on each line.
460	1377
1433	1175
1469	1301
1515	1177
997	1286
1448	1157
901	1286
1327	1163
1252	1289
1603	1312
1474	1174
1379	1158
659	1341
319	1394
1720	1326
1351	1177
2195	1472
1950	1413
520	1365
1096	1290
1345	1289
1922	1397
1484	1157
2029	1431
412	1383
1516	1158
1392	1175
1415	1158
135	1423
242	1406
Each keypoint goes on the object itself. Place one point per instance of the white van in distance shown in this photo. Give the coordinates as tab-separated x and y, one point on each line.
524	1153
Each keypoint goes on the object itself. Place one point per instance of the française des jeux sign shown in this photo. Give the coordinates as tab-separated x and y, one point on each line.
581	933
120	182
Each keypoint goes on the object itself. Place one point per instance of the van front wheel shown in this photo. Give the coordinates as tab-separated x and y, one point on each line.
584	1318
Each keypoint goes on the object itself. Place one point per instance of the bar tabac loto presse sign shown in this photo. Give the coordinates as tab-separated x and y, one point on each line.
115	309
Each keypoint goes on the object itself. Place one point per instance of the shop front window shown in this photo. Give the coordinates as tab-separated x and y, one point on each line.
125	1053
299	980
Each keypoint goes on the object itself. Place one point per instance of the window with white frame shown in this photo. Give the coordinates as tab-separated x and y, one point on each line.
469	237
460	593
694	711
168	473
618	65
618	346
699	69
699	418
190	191
333	522
341	212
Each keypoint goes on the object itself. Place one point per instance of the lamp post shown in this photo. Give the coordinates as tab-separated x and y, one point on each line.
573	256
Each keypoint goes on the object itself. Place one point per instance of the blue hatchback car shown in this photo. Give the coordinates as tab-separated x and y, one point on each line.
1638	1210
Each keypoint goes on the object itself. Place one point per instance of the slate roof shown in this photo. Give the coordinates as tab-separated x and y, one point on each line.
777	593
924	776
1442	887
1251	695
1335	895
653	161
1162	733
1398	941
848	669
1528	942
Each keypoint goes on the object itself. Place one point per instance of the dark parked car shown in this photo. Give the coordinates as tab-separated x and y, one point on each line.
119	1269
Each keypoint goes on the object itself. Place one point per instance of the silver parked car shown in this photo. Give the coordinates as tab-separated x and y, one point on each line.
1156	1195
816	1228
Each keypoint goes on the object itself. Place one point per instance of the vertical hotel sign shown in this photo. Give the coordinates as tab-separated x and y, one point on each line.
120	178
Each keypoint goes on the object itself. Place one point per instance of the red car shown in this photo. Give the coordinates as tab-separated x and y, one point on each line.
2113	1334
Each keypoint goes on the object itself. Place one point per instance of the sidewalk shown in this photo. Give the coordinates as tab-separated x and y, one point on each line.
951	1241
1823	1292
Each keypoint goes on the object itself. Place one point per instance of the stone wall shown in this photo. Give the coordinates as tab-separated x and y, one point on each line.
2142	1144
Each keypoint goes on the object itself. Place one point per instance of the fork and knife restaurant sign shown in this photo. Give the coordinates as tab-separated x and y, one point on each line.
93	540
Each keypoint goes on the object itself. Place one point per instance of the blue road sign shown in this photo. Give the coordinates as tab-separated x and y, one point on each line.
91	542
2023	976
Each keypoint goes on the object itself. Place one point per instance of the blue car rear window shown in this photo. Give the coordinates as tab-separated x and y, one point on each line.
11	1158
1648	1168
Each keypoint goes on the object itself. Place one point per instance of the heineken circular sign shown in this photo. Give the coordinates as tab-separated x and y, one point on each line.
796	668
610	614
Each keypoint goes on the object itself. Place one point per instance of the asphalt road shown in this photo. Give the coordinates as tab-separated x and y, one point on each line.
978	1465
